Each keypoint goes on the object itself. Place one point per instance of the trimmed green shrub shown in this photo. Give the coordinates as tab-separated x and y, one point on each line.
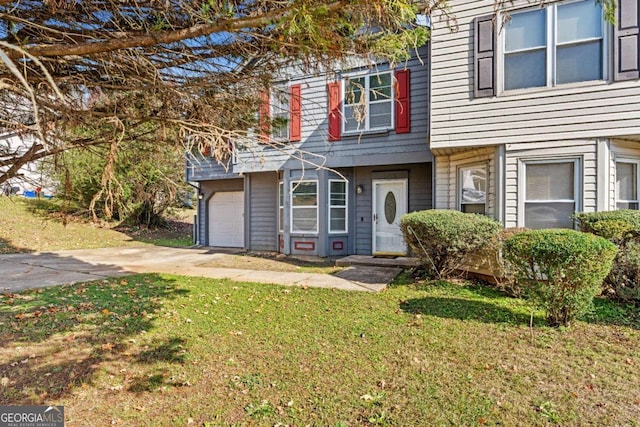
442	238
623	229
609	224
502	274
560	270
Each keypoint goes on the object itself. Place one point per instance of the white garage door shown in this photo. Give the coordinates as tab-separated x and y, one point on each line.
226	219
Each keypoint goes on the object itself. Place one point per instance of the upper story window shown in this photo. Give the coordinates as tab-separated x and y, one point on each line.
368	103
280	114
558	44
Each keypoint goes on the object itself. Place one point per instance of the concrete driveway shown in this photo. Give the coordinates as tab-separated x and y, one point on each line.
35	270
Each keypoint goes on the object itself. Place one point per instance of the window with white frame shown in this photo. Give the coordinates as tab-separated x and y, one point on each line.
560	43
281	207
337	206
551	191
473	188
627	184
368	103
304	207
280	114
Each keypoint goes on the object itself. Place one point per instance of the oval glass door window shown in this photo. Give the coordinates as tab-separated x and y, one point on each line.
390	207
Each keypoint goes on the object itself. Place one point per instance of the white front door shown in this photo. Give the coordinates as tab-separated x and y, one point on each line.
389	204
226	219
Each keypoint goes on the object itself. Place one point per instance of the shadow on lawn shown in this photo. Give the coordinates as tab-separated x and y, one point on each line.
465	309
55	338
7	247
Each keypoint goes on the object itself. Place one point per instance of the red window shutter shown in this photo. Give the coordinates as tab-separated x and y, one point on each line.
264	116
335	113
295	113
403	102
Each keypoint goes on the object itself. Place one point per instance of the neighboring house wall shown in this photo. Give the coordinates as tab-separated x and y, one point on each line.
594	109
551	150
30	176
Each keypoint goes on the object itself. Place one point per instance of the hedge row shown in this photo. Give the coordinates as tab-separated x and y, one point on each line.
559	270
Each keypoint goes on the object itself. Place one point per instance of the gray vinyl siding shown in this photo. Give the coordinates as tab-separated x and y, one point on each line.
447	169
263	211
366	149
601	109
583	150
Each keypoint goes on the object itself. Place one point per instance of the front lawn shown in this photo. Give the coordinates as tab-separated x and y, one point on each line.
164	350
28	225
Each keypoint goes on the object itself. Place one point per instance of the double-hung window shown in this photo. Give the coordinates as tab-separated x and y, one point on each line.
627	184
551	190
280	114
473	189
337	206
368	103
304	207
561	43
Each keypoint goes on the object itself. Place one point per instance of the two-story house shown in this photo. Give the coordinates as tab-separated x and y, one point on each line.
535	110
366	126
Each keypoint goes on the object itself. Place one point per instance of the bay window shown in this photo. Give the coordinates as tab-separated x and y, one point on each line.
304	207
337	206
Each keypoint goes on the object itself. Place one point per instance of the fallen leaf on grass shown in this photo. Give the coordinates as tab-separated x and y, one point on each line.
4	381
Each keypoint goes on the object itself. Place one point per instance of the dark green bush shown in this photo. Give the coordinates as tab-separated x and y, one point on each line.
502	274
623	229
610	224
560	270
442	238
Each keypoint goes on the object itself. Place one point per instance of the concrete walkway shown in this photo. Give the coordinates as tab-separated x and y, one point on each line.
35	270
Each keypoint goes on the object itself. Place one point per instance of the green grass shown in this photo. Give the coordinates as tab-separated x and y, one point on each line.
164	350
28	225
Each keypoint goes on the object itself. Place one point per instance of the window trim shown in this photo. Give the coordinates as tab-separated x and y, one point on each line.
461	168
345	207
630	161
293	185
364	127
522	183
551	49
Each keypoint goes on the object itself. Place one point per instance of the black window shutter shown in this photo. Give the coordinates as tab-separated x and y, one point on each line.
626	41
484	58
